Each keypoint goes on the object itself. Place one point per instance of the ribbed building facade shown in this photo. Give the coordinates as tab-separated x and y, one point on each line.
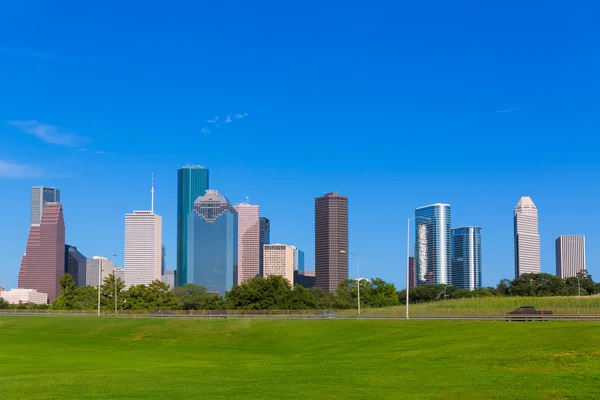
570	255
248	242
192	182
433	245
331	238
527	238
44	260
143	248
264	238
466	258
212	243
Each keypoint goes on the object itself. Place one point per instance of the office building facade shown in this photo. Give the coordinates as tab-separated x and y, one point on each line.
143	248
570	255
279	260
75	265
93	266
40	195
466	258
192	182
331	238
248	265
44	260
527	238
264	238
412	272
433	250
212	243
24	296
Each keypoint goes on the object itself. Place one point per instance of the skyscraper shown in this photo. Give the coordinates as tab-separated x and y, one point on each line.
92	272
143	248
331	237
40	195
75	264
527	238
412	272
192	182
264	238
433	252
248	242
466	258
44	261
212	243
570	255
279	260
298	260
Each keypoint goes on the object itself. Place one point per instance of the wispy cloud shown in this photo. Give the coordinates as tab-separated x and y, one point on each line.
205	129
15	50
48	133
18	171
506	110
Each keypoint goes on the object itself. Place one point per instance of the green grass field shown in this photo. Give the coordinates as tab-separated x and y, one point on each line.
135	358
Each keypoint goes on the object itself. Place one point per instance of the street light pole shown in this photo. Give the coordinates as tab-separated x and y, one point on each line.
358	275
115	281
99	282
408	258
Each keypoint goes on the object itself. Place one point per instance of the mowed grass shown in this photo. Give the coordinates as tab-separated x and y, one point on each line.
129	358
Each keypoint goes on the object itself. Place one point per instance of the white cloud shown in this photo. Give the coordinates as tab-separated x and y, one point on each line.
12	170
211	121
48	133
228	119
238	116
100	152
506	110
81	149
205	129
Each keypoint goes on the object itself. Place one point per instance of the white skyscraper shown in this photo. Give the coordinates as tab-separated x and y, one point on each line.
92	273
41	195
570	255
248	241
143	246
527	238
279	260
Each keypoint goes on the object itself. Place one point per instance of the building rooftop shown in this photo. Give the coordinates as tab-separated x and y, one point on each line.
432	205
525	201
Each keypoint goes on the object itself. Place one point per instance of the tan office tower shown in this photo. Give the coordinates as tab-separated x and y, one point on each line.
248	242
527	238
44	262
143	248
570	255
331	238
279	260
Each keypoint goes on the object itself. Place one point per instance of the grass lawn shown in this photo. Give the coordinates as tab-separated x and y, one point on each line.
106	358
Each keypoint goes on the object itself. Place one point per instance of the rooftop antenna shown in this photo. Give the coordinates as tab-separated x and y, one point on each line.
152	191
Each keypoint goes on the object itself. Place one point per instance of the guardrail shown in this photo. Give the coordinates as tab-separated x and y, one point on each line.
311	315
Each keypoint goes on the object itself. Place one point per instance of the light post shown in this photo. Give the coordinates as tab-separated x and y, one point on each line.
115	281
99	282
408	257
357	275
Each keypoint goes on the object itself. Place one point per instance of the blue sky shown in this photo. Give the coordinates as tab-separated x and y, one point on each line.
394	104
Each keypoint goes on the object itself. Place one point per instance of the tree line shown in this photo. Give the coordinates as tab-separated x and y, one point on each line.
276	293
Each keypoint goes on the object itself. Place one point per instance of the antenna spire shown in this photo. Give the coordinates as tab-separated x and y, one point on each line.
152	191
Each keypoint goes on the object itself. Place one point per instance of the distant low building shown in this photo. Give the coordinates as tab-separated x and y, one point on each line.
304	278
1	288
279	260
169	278
119	273
24	296
92	265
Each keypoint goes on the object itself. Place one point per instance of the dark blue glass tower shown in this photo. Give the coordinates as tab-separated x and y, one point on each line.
212	243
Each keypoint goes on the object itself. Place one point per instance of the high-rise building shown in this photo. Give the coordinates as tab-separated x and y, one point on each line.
143	248
331	238
298	260
44	261
412	272
40	195
163	260
75	264
92	273
248	242
212	243
169	277
192	182
279	260
433	251
570	255
466	258
527	238
264	238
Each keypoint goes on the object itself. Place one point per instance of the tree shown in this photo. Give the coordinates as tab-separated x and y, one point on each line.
272	293
3	304
196	297
86	298
380	293
107	292
158	296
66	297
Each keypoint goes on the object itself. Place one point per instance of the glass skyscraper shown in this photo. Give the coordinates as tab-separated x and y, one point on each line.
212	248
433	252
192	182
466	258
40	195
264	237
